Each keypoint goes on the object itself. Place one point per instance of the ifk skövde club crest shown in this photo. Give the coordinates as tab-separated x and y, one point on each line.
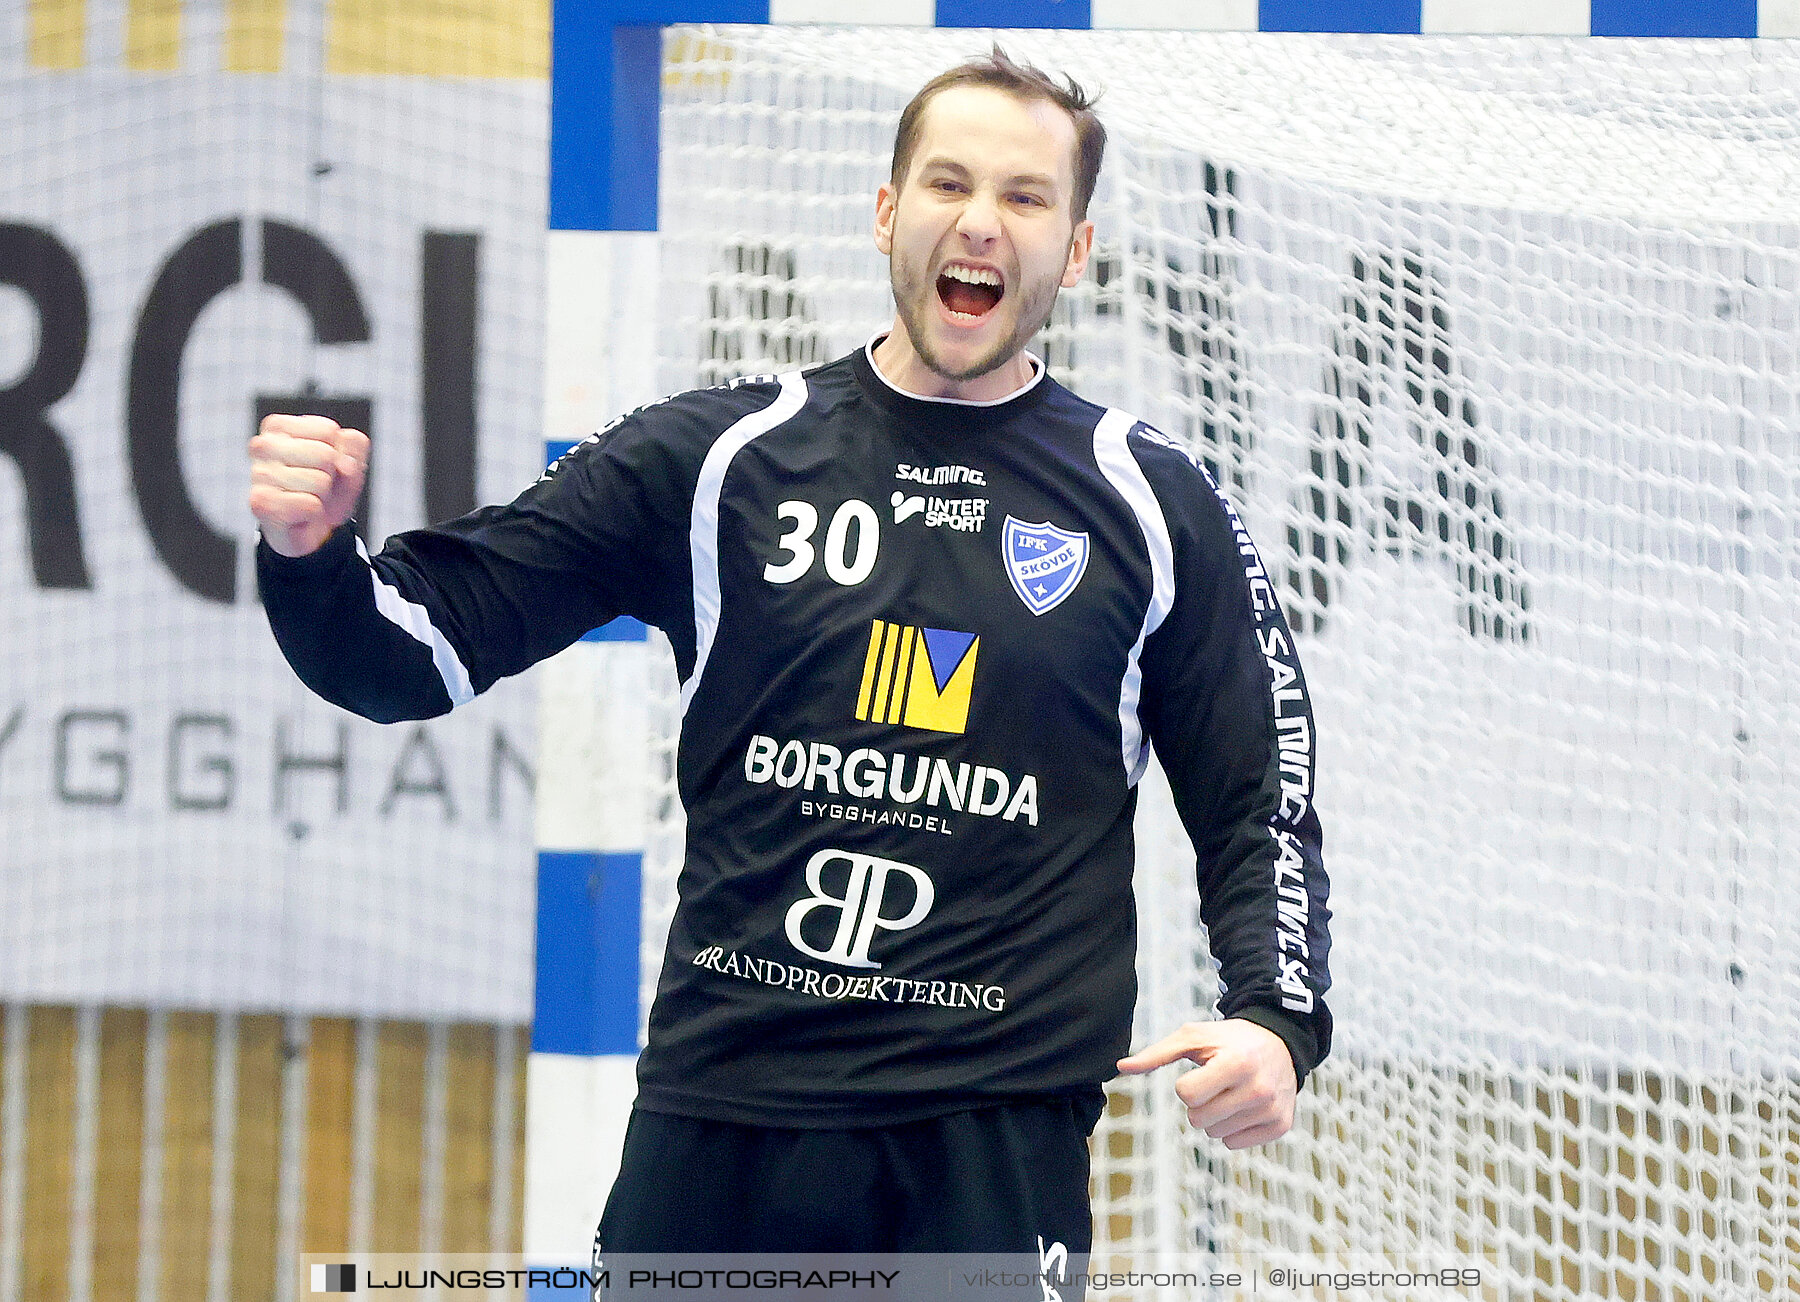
1043	562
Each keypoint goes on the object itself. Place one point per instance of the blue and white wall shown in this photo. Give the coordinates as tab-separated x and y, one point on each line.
602	280
593	787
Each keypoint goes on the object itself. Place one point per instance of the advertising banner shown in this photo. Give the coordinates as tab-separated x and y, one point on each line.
189	240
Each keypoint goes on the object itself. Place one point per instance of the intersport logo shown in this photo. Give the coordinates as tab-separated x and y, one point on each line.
859	908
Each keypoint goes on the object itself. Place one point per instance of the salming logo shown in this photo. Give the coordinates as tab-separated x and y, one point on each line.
940	475
918	677
1292	906
1294	749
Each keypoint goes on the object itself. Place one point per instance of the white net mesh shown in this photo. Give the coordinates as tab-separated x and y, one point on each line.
1495	344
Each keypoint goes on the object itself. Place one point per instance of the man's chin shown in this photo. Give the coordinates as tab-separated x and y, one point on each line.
962	365
962	374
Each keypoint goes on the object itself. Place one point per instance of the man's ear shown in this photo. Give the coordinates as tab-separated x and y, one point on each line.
1081	248
885	200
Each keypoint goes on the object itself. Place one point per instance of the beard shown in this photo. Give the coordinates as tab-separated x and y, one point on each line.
915	298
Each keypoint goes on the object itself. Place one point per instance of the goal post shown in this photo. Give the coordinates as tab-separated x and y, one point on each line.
1495	344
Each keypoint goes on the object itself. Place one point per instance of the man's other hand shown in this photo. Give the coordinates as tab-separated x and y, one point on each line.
1242	1093
306	473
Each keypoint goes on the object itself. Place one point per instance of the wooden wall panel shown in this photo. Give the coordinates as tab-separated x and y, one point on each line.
256	1168
330	1101
401	1049
469	1137
187	1153
119	1154
472	1180
521	1057
49	1152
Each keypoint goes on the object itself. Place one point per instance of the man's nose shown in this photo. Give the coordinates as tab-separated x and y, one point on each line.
980	220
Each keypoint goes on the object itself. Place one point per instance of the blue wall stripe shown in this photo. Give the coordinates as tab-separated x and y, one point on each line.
1015	13
1339	16
603	163
589	920
1673	18
637	127
580	114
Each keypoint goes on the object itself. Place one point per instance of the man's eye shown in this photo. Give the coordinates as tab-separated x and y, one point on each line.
1030	200
948	187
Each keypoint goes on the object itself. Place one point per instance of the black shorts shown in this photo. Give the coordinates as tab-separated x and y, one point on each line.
1007	1178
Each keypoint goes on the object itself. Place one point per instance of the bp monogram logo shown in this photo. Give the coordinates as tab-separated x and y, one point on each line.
859	909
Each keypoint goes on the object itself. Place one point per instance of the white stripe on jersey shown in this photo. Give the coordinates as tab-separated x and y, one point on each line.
1113	452
416	621
703	526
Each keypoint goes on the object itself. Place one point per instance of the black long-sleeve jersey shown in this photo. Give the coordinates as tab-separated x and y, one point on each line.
924	646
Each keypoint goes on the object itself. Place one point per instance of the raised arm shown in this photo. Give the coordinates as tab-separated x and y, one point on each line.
442	613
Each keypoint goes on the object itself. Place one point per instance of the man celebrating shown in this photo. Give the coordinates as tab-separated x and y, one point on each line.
930	611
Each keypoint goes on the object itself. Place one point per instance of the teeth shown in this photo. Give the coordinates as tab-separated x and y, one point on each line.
973	275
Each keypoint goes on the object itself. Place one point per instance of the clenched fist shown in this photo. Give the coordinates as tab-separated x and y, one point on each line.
305	475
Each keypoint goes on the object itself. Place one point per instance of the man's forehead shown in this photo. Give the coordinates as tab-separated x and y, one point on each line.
980	126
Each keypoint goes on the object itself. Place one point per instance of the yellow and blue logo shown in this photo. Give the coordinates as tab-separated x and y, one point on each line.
919	677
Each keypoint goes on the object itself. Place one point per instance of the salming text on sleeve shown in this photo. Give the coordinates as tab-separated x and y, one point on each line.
1226	706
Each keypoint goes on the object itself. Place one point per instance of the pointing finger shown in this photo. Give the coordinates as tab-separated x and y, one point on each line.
1160	1054
1185	1043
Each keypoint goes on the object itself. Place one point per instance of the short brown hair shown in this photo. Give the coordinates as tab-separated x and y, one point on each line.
1028	83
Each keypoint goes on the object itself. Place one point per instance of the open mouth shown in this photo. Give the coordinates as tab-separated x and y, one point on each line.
969	293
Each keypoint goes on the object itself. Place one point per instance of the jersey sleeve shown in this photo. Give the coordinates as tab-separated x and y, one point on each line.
441	614
1225	705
